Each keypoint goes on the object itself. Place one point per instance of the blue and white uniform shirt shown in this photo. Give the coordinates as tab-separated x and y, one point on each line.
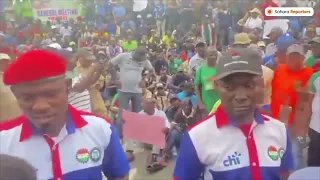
220	150
86	146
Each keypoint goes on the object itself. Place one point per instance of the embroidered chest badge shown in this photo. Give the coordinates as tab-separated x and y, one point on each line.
273	153
281	152
82	155
95	154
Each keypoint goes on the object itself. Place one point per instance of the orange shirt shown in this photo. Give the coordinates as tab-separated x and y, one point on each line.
283	88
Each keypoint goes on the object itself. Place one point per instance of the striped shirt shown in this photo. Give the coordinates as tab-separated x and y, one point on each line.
80	101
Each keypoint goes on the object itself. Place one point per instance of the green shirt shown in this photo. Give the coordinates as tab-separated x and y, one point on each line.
204	78
310	61
128	47
173	65
314	81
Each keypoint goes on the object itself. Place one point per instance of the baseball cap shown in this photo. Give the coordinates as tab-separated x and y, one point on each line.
180	69
284	41
241	38
139	16
101	52
275	30
159	85
261	44
199	42
4	56
55	46
239	60
87	53
295	48
315	40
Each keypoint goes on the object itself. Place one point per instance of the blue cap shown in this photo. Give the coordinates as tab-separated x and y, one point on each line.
284	41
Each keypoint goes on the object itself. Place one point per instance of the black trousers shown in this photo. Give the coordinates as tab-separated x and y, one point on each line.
314	148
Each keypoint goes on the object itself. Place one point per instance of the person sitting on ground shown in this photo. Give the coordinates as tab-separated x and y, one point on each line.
182	119
188	91
173	108
176	81
154	162
162	97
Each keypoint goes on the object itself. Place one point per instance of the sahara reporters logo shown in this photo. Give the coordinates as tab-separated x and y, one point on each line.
289	11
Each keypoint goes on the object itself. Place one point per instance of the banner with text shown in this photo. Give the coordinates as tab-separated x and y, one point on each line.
51	9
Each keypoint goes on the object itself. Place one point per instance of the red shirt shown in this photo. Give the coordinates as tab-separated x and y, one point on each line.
264	6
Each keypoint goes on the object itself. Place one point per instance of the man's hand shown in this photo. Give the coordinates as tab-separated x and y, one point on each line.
165	130
285	111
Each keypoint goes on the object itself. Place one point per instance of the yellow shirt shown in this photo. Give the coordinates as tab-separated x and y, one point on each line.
9	107
166	40
215	107
185	66
97	103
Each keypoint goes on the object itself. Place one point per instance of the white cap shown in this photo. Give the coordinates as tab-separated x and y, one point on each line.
4	56
69	49
55	46
53	27
139	16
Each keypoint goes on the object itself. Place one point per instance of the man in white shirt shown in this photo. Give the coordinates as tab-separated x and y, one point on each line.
149	108
65	30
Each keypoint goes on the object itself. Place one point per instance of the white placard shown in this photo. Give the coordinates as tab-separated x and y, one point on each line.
269	24
139	5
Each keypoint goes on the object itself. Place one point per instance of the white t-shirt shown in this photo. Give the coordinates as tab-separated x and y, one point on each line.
252	23
65	31
80	101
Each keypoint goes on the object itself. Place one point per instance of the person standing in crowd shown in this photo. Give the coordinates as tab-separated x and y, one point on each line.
119	12
159	12
97	103
16	168
314	114
54	137
288	78
315	48
186	14
206	93
274	34
208	32
246	150
173	14
280	56
79	95
9	107
131	65
224	18
199	58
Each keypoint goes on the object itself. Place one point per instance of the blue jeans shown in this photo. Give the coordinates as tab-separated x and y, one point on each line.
124	99
173	140
297	152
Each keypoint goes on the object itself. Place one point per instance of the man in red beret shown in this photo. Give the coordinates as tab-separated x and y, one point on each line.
58	140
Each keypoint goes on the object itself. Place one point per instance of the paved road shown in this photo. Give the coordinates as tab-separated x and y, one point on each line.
138	171
138	167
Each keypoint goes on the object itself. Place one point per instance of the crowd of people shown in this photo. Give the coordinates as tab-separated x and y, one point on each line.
236	104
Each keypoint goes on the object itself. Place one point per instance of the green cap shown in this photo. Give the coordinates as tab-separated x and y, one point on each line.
86	53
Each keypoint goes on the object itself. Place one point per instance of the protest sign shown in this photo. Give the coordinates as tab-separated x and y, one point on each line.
144	128
269	24
51	9
139	5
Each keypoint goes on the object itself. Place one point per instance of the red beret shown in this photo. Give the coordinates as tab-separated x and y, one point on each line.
34	65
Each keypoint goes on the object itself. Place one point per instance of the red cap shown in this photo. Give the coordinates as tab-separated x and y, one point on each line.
34	65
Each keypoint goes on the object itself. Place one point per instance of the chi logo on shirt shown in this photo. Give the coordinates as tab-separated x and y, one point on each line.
95	155
82	155
232	160
273	153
